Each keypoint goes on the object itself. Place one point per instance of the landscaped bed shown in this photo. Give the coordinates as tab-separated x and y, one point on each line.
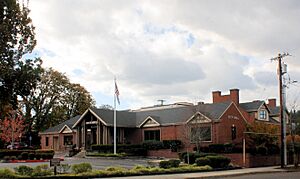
84	170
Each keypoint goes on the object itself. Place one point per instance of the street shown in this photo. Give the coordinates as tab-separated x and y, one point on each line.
285	175
97	163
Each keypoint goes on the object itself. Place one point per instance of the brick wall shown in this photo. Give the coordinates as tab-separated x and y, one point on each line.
232	117
253	160
233	96
166	153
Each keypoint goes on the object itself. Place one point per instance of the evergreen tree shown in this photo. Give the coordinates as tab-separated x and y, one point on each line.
18	75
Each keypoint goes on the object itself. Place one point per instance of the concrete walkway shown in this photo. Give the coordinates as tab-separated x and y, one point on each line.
213	174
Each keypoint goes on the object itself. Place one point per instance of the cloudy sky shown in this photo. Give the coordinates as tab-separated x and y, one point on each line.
171	50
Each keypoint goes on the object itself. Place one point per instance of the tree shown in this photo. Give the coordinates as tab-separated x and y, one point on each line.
12	127
262	134
199	130
55	100
18	75
106	106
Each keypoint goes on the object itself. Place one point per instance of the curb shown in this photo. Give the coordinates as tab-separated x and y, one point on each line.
237	174
30	161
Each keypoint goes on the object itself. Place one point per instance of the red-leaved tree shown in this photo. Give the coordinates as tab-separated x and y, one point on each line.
12	127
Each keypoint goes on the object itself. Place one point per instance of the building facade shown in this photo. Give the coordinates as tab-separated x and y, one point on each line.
222	121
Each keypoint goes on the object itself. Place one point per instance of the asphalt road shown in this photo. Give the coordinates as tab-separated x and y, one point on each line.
97	163
285	175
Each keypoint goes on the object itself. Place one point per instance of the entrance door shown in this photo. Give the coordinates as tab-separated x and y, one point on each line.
55	143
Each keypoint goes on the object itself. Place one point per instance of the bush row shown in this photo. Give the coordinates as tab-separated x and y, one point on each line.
269	149
26	154
190	157
84	170
129	149
174	145
174	163
213	161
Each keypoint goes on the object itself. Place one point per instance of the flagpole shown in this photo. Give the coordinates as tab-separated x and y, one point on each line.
115	123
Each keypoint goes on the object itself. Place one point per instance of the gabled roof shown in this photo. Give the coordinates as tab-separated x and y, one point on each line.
252	106
124	118
213	111
56	129
165	115
274	111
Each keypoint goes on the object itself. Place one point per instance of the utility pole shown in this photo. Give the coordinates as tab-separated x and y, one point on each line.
281	117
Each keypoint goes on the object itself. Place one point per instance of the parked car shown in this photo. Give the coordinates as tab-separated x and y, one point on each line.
18	146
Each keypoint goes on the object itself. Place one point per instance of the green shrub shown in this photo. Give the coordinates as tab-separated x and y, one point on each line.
218	161
193	156
169	163
7	173
174	163
216	148
24	155
164	164
6	157
202	161
31	156
63	168
273	149
81	168
262	150
24	170
13	158
41	170
38	156
174	145
129	149
153	145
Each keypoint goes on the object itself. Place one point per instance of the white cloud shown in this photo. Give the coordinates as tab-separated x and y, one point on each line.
174	50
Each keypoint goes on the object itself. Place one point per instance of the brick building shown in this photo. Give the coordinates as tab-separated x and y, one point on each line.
223	121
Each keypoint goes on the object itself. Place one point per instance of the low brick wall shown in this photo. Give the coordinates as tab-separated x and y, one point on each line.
167	153
253	160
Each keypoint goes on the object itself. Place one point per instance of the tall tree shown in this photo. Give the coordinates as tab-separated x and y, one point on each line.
54	100
18	75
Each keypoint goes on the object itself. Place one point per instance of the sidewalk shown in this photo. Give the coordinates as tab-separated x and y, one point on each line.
212	174
237	172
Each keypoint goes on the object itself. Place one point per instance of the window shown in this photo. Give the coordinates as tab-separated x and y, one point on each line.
233	132
68	140
263	114
201	134
152	135
47	141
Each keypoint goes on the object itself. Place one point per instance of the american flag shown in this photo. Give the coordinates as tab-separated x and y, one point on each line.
117	93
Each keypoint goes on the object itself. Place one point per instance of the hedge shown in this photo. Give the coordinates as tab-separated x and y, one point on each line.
202	161
129	149
169	163
218	161
193	156
24	154
268	149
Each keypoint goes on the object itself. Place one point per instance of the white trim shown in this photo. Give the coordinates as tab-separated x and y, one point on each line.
80	118
211	134
149	118
101	120
65	126
89	110
237	109
199	114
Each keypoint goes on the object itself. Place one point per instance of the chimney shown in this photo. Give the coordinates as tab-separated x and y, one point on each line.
234	95
272	102
216	96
